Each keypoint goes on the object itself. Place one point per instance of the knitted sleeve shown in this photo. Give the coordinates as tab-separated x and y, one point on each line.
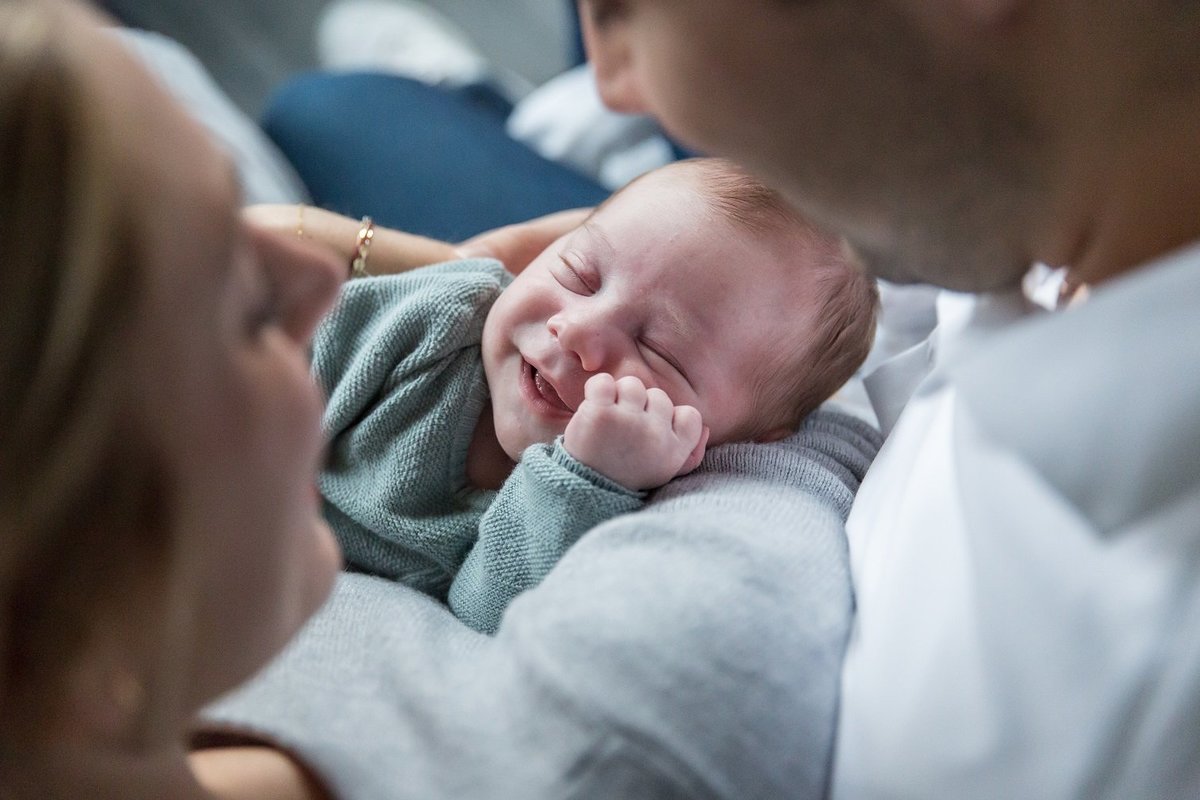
399	359
549	501
384	329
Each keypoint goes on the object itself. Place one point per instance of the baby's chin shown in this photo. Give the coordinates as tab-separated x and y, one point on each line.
510	437
515	440
512	451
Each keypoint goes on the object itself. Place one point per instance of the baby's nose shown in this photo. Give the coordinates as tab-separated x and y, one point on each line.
587	341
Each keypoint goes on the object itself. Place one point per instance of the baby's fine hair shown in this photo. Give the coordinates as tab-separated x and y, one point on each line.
847	303
793	381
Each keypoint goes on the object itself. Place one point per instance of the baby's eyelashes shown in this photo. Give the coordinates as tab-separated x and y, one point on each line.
658	353
573	276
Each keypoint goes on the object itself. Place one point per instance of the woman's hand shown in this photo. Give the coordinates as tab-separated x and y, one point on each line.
252	773
392	251
515	246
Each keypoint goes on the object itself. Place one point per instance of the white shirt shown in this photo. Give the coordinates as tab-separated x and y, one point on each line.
1026	559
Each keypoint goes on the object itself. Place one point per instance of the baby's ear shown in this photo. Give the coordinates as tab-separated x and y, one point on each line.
773	435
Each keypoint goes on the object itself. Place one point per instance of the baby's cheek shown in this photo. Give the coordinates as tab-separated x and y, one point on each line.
517	432
559	428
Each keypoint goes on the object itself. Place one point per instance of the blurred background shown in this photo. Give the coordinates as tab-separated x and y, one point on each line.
249	46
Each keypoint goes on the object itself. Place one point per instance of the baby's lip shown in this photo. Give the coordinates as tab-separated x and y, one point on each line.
548	387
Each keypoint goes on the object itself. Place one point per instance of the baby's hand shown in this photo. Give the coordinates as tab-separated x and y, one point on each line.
634	435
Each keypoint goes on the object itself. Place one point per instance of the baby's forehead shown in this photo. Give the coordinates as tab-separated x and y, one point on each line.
761	303
657	194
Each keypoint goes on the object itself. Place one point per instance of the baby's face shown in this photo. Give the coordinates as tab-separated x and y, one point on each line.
657	286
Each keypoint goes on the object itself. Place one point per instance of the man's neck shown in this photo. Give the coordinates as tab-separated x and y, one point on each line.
1149	206
101	774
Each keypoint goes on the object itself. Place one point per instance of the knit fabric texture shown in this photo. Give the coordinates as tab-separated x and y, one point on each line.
399	358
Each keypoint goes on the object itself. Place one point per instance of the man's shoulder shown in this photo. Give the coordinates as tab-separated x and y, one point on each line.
1101	399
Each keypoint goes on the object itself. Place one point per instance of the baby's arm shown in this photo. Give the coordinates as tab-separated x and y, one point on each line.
627	438
633	435
547	503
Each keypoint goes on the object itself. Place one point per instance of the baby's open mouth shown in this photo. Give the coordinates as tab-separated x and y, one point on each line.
547	391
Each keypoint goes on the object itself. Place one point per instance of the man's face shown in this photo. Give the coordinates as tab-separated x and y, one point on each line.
871	117
639	290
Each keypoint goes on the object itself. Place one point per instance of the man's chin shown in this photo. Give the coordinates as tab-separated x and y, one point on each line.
958	275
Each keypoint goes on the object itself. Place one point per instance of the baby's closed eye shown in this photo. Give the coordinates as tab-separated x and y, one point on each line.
574	276
658	353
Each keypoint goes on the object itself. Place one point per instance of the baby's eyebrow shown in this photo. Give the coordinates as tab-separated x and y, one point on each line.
597	233
669	333
676	323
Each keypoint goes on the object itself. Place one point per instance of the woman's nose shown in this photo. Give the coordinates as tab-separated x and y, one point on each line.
306	279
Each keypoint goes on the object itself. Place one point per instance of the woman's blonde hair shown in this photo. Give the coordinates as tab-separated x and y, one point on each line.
80	498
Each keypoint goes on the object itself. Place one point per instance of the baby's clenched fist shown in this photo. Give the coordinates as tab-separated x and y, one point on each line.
633	435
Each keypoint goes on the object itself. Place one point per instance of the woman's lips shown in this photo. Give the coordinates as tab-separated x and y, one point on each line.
541	391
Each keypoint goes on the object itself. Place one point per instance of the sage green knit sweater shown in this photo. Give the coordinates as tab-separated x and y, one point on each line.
400	361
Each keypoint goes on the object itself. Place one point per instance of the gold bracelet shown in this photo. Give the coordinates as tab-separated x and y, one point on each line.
362	248
300	221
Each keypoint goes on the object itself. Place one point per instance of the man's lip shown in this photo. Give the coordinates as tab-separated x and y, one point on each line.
541	390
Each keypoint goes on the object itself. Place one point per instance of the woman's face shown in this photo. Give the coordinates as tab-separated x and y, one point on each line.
222	380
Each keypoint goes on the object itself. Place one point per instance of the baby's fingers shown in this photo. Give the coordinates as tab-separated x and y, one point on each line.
600	388
687	424
697	455
632	392
658	404
690	431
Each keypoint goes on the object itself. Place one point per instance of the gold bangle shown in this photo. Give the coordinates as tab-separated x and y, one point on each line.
362	248
300	221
